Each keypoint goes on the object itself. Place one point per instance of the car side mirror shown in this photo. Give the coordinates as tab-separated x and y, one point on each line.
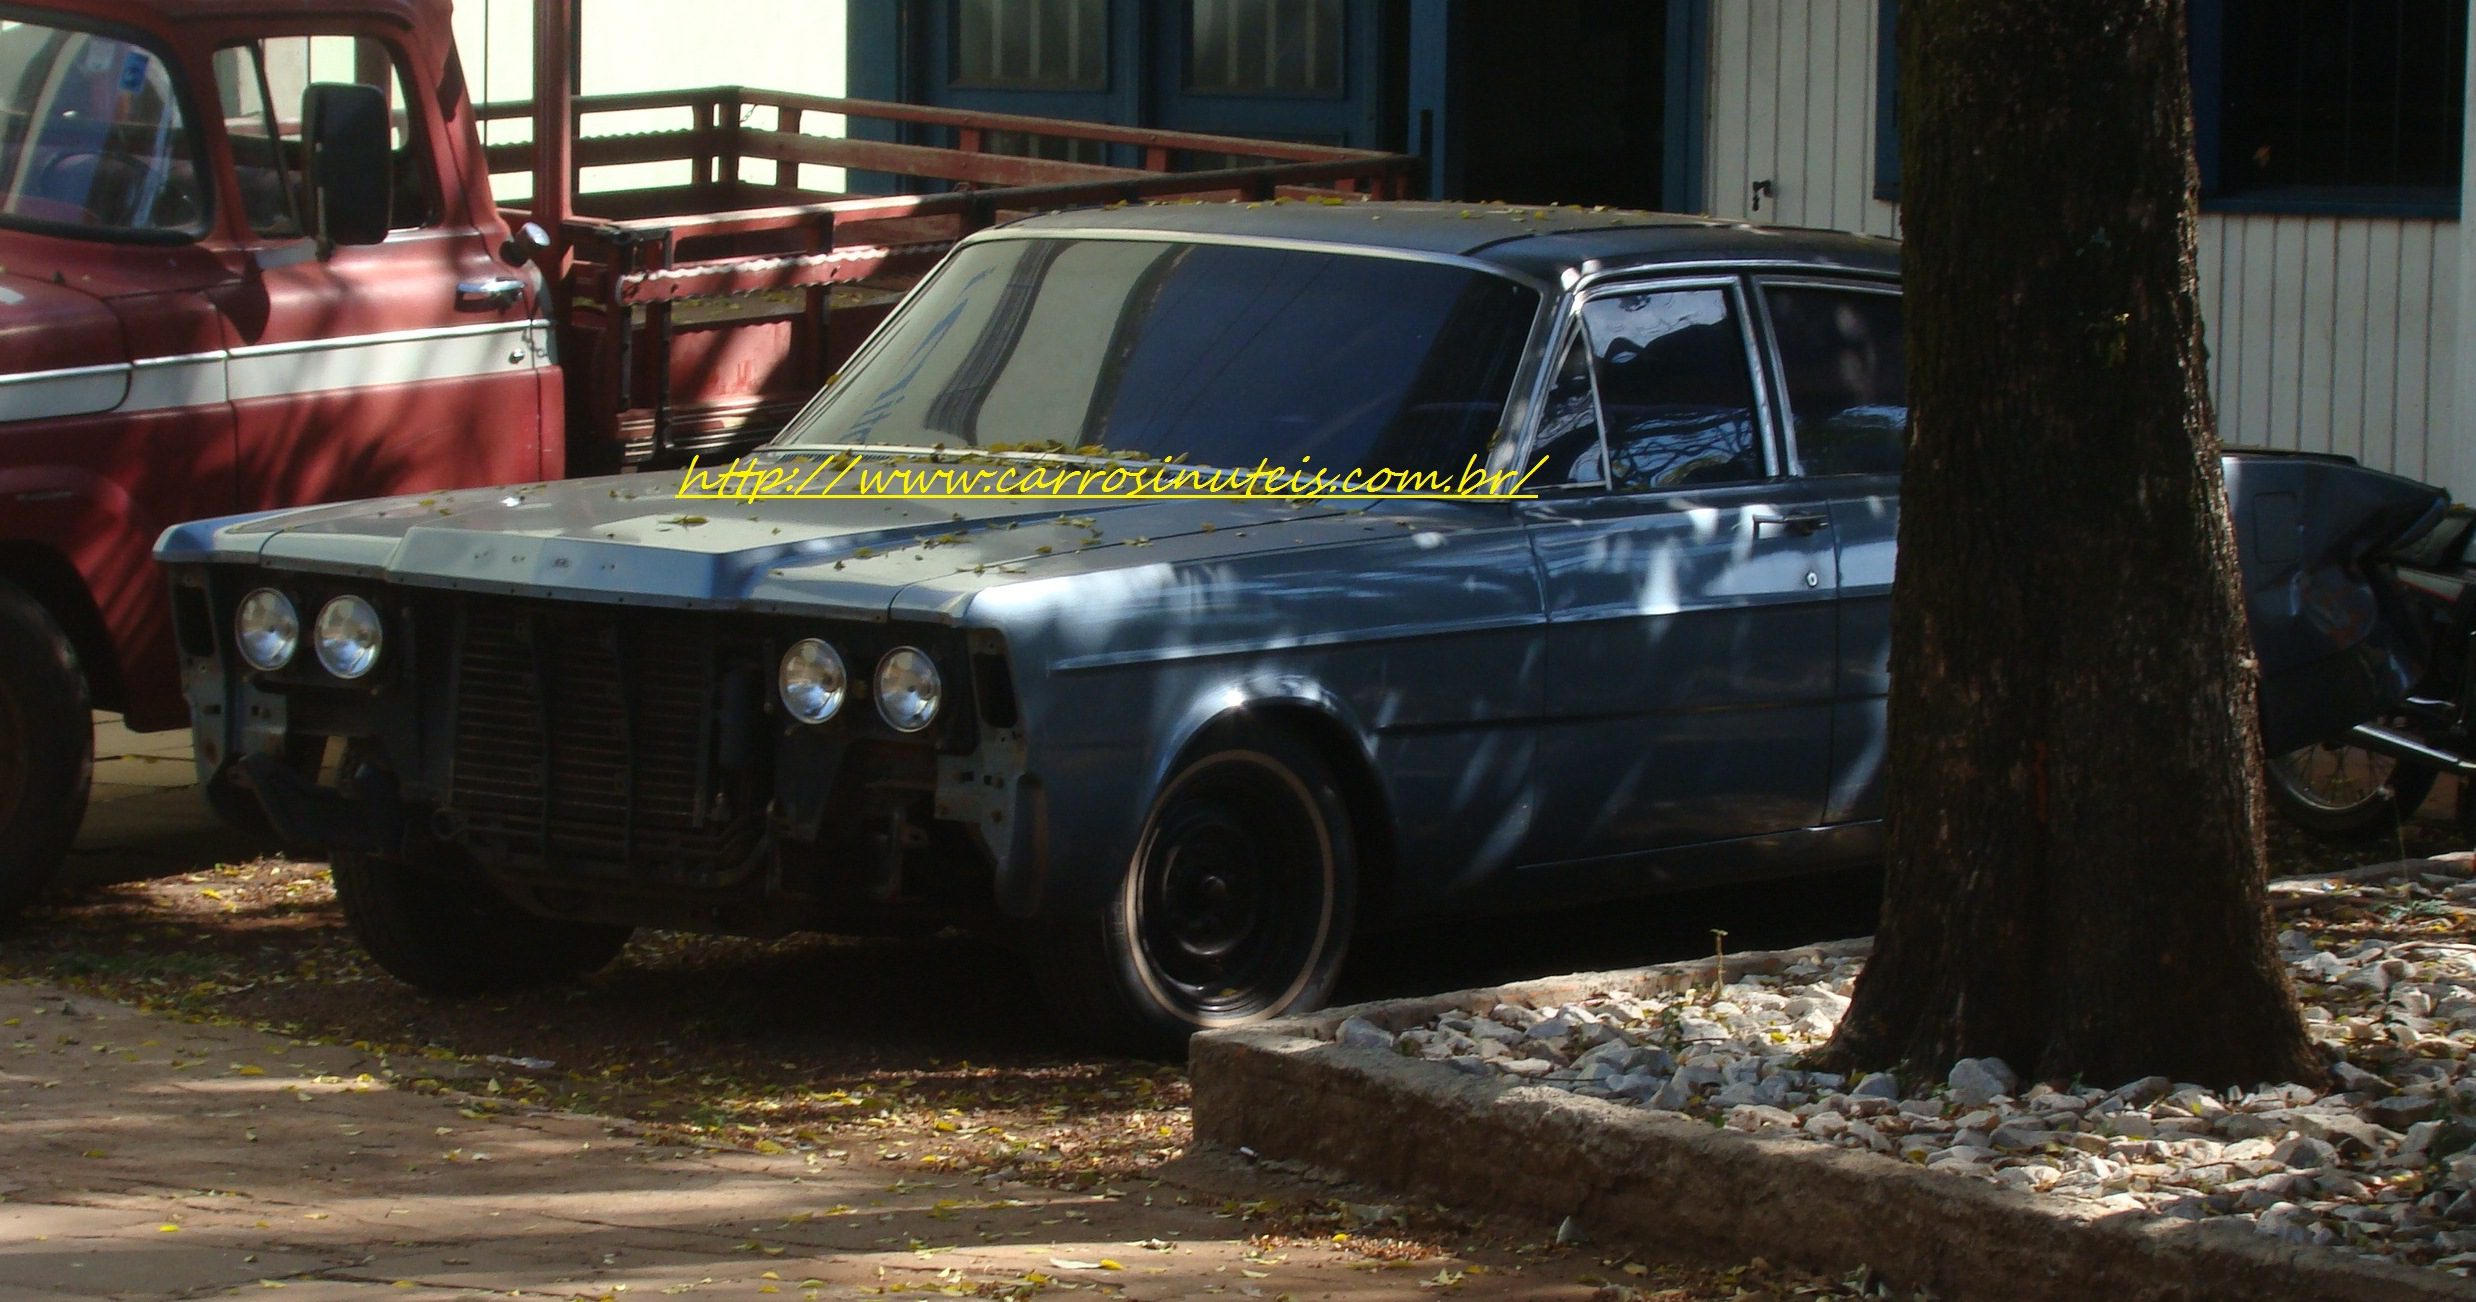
351	186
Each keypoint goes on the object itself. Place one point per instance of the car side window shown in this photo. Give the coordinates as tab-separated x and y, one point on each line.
1675	389
92	134
1844	361
260	84
1568	450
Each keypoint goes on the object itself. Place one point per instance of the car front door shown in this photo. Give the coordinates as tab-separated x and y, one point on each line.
1688	586
1840	361
361	370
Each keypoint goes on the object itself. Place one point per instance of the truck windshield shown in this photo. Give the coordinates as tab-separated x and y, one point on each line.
91	135
1217	355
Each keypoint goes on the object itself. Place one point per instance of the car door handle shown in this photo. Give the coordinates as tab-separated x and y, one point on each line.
1801	525
489	294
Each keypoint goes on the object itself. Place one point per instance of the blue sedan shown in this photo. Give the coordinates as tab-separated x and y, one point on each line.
1178	747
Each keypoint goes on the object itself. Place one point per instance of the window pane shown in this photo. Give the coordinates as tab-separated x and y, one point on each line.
260	85
1674	388
1845	360
1218	355
1264	47
1024	144
2364	94
91	134
1031	44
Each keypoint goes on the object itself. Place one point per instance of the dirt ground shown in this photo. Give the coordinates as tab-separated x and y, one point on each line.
908	1083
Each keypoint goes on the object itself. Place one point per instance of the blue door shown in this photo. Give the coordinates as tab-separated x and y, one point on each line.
1305	70
1841	363
1688	582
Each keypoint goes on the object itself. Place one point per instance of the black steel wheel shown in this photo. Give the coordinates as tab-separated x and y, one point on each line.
47	748
1235	907
454	934
2345	793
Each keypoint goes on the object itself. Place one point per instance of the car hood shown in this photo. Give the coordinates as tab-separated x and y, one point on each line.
633	539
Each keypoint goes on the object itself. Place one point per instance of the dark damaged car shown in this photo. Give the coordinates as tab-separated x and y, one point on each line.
1178	751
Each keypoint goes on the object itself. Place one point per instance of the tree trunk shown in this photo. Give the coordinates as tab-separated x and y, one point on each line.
2076	879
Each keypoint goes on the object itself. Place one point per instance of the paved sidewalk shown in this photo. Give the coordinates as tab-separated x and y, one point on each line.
144	1157
150	1158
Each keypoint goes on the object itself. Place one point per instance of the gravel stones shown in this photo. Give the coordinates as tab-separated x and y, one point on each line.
1981	1080
2384	1163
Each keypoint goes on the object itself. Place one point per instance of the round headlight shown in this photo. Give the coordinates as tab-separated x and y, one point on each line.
907	689
267	628
812	681
348	637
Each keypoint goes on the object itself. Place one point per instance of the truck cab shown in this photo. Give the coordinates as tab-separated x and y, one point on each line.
186	331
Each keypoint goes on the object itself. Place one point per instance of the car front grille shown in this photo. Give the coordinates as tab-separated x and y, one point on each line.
588	742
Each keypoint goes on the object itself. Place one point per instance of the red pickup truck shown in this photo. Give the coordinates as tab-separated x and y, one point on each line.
250	257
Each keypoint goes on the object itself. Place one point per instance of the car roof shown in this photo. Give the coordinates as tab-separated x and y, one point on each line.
1541	242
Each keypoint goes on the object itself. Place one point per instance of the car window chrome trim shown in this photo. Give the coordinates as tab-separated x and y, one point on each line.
1393	253
1642	281
1741	268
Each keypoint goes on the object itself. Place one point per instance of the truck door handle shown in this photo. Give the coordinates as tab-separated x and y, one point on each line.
1801	525
489	294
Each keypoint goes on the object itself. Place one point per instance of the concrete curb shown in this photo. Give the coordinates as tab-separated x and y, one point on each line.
1287	1091
2288	894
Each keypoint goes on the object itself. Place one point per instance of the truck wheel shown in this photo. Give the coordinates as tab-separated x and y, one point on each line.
1235	908
456	935
47	748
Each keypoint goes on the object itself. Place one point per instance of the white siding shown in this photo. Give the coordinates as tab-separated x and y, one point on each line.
2334	334
1792	102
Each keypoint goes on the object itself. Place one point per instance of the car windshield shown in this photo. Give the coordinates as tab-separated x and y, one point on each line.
91	134
1217	355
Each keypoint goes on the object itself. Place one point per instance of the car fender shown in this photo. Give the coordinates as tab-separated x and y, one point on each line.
1225	700
1083	851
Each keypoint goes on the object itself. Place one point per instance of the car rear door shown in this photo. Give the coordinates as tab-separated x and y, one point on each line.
1840	369
1687	582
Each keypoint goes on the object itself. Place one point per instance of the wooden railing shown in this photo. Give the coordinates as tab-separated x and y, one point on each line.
649	385
720	134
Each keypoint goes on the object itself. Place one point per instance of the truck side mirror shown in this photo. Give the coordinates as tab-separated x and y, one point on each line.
351	186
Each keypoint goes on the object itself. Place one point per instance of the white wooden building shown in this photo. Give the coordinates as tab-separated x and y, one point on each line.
2332	331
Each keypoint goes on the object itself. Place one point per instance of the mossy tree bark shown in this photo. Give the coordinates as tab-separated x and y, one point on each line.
2076	879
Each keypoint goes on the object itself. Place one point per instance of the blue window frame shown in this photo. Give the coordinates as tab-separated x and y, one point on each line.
2331	106
2321	106
1887	101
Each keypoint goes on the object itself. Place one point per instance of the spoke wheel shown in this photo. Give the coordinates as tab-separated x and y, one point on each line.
2345	793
